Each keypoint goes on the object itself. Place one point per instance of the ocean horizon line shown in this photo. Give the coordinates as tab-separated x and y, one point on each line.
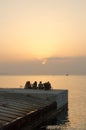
42	74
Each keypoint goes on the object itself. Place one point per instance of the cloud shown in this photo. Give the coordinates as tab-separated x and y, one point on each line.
67	58
52	65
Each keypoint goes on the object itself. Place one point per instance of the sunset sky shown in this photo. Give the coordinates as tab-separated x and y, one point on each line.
43	36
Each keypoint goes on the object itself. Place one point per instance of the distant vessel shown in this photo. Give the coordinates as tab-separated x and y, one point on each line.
67	74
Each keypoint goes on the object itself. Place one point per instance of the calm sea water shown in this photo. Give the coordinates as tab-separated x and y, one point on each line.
75	119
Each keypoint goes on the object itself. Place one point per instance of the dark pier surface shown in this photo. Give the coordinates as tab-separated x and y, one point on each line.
22	109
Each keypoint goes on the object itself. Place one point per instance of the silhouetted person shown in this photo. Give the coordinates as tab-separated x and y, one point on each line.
47	86
28	85
34	85
40	85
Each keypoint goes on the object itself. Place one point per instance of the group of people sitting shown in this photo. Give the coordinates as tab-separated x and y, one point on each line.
45	86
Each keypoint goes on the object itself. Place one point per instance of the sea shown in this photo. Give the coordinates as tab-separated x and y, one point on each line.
75	117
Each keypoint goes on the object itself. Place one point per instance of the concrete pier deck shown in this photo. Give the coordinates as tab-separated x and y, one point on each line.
20	107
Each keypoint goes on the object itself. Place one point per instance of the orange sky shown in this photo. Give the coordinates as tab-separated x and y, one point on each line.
42	28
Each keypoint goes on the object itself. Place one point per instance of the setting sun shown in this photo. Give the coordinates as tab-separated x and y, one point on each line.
44	61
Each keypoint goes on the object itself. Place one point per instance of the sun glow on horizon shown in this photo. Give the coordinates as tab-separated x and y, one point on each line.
44	61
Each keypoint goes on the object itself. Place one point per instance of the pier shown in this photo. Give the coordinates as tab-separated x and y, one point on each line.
21	109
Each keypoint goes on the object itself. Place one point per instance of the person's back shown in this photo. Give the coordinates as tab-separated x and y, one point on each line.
35	85
40	85
28	85
47	86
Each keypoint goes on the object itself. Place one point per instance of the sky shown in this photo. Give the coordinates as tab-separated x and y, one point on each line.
42	36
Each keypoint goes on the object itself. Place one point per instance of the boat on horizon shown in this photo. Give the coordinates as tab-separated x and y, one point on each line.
66	74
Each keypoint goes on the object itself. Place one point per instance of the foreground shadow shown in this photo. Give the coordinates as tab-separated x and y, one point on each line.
60	120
